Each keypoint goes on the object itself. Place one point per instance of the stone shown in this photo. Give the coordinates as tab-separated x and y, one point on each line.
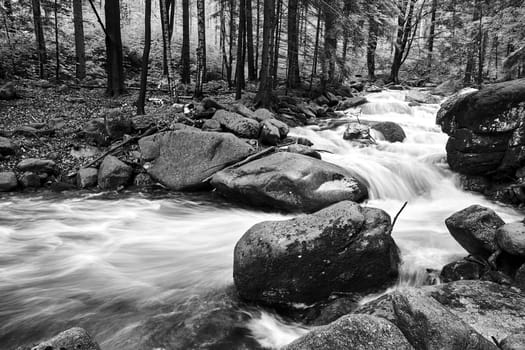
182	160
269	133
72	339
304	150
262	114
241	109
29	180
466	141
143	122
461	270
143	180
37	166
8	181
87	177
448	87
391	131
348	103
7	148
511	238
426	323
356	332
94	132
209	103
357	132
474	228
118	124
341	249
113	173
8	91
513	342
290	182
211	125
421	97
237	124
519	278
474	163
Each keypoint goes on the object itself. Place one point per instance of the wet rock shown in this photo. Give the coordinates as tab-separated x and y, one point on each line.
340	249
392	132
143	180
358	132
466	141
462	270
357	332
513	342
182	160
262	114
8	92
37	166
8	181
304	150
519	278
7	148
29	180
351	103
269	133
87	177
511	238
211	125
421	97
72	339
474	163
290	182
237	124
426	323
113	173
475	229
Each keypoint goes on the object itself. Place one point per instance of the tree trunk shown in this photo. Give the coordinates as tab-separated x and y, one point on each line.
185	51
330	45
264	97
145	59
431	34
169	71
406	8
57	46
294	79
258	35
252	71
316	48
201	50
80	50
39	35
239	70
232	39
114	49
373	28
278	26
475	37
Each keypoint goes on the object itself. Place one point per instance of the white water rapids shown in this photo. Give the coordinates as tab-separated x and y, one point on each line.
108	263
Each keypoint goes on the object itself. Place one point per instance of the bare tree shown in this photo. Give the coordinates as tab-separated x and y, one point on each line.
39	34
145	59
80	50
265	96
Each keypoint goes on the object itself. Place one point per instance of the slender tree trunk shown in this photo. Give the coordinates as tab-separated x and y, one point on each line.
239	70
330	45
201	50
80	50
404	31
294	79
185	52
232	39
276	47
57	46
252	71
316	49
39	34
114	49
475	37
431	34
145	59
264	97
373	28
258	35
225	61
170	75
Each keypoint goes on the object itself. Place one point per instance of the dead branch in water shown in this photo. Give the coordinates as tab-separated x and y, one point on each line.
397	215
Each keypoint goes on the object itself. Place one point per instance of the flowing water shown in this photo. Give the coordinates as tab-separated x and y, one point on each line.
138	267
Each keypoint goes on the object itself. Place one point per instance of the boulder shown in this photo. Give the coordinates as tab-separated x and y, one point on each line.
113	173
143	180
461	270
8	181
94	132
182	160
262	114
29	180
513	342
289	182
87	177
341	249
466	141
474	163
241	109
8	92
448	87
304	150
72	339
357	132
421	97
143	122
209	103
425	323
211	125
511	238
7	148
269	133
37	166
356	332
474	228
237	124
391	131
348	103
118	124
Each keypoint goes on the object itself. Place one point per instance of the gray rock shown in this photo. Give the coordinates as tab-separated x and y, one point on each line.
341	249
513	342
461	270
118	124
8	92
519	278
475	229
8	181
289	182
87	177
241	109
357	132
37	166
143	180
143	122
211	125
304	150
113	173
237	124
351	103
182	160
511	238
421	97
391	131
356	332
262	114
94	132
29	180
72	339
269	133
7	148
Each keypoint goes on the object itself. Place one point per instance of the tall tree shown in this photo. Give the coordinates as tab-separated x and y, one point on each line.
239	70
145	59
39	34
80	50
185	52
475	40
431	34
404	31
330	42
167	15
373	31
57	44
252	71
265	96
294	79
201	50
114	65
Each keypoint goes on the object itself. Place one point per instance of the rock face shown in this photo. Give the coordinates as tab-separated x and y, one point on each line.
357	332
8	181
113	173
181	160
72	339
475	229
237	124
87	177
486	129
426	323
289	182
391	131
511	238
343	248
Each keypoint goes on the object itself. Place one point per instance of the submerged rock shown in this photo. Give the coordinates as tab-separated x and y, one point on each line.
289	182
72	339
113	173
356	332
391	131
341	249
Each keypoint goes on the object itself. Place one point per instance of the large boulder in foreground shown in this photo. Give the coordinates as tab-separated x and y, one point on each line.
475	229
289	182
182	160
341	249
426	323
72	339
357	332
113	173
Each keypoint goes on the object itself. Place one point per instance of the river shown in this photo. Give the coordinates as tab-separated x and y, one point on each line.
113	263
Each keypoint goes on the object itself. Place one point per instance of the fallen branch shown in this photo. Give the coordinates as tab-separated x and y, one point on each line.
397	215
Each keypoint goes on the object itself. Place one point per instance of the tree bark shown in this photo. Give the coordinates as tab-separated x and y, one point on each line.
201	50
252	71
39	35
294	79
57	46
406	8
276	47
373	28
185	52
145	59
239	70
80	49
431	34
114	49
330	45
265	96
475	37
